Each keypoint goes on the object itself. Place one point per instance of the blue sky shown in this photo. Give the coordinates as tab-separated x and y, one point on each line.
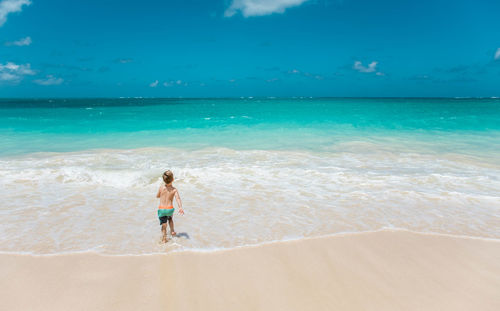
226	48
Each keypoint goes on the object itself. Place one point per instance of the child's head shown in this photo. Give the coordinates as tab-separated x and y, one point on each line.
168	177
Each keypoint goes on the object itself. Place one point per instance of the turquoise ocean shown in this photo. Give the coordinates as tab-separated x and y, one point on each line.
81	174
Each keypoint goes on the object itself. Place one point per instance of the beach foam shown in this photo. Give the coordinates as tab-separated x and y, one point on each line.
104	200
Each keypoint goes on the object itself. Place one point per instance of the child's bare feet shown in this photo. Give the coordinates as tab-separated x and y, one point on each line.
174	233
164	239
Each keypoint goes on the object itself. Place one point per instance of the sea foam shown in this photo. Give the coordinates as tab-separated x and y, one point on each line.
104	200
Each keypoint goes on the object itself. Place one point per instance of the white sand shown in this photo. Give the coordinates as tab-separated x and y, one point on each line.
369	271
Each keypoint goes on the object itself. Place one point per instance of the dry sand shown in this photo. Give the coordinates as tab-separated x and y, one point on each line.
388	270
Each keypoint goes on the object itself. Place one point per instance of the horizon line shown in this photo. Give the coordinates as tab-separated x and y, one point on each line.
257	97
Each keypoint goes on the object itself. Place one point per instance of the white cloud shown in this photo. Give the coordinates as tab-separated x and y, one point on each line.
14	73
372	67
11	6
154	84
260	7
175	83
21	42
497	54
6	76
49	80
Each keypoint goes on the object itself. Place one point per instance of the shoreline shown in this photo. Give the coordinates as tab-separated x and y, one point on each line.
382	270
266	243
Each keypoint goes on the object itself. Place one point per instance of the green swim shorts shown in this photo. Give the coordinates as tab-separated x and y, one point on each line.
165	212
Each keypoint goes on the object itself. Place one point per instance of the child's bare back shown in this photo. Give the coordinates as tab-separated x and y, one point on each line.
166	194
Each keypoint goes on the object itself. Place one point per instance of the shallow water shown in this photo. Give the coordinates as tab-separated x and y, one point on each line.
79	175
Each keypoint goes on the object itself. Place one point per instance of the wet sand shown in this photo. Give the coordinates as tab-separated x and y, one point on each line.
387	270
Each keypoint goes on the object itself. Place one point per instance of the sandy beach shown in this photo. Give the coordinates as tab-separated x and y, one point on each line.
386	270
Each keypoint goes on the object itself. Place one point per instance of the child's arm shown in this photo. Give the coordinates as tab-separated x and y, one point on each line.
159	192
179	202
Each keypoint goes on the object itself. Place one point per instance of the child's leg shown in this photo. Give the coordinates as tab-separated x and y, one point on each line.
164	231
171	224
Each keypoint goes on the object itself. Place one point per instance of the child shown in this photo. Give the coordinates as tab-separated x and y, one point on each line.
166	194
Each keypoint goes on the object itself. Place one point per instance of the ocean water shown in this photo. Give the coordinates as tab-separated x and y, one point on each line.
82	174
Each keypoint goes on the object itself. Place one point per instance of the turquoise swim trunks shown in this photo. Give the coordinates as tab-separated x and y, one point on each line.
165	212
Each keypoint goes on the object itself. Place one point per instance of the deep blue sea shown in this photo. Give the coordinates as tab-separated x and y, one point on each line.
82	174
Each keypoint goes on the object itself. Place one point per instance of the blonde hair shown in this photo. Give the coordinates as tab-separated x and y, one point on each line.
168	177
